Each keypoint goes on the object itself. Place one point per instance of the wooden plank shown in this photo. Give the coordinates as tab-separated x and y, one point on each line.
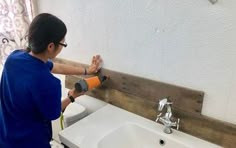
182	98
215	131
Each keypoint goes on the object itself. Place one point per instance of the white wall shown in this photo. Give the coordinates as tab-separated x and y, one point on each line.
190	43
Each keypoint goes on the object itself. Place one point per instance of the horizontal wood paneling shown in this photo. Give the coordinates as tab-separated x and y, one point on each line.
183	98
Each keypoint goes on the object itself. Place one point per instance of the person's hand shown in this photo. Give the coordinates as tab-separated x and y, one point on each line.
95	65
75	93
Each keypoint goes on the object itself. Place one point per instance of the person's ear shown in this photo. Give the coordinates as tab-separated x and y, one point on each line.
51	47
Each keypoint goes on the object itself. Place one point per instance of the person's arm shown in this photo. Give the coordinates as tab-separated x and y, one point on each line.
67	69
73	93
72	70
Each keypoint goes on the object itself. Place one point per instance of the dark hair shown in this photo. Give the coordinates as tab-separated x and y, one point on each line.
44	29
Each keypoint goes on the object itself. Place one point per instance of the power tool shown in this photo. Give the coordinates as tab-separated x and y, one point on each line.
86	84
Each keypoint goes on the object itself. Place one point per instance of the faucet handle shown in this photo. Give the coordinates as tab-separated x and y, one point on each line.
177	124
158	117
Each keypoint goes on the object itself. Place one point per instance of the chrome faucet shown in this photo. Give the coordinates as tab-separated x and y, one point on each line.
166	119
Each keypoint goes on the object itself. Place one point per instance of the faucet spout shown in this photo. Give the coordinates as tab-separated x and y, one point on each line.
162	103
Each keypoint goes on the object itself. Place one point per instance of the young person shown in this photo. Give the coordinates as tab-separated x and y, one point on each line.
30	96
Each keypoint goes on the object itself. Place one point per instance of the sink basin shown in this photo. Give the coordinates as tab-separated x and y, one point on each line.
113	127
135	136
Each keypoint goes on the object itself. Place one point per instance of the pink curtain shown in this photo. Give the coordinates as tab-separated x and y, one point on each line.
15	17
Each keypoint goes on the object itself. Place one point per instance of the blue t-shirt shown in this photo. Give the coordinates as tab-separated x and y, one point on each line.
30	97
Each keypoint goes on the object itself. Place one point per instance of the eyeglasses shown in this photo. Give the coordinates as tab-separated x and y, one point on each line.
63	44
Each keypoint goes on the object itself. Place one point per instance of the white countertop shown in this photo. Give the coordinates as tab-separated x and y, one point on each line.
87	132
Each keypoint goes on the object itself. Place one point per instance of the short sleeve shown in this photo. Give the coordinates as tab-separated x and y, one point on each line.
49	64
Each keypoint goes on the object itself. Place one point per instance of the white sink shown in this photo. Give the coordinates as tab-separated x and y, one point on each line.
112	127
135	136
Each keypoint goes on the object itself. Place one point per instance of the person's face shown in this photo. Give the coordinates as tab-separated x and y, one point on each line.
61	44
55	50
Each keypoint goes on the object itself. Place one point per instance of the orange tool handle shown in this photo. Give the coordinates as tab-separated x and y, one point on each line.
93	82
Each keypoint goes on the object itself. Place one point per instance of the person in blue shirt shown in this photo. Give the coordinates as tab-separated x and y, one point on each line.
30	96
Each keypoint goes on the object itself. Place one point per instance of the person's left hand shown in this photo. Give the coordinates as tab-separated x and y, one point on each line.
95	65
